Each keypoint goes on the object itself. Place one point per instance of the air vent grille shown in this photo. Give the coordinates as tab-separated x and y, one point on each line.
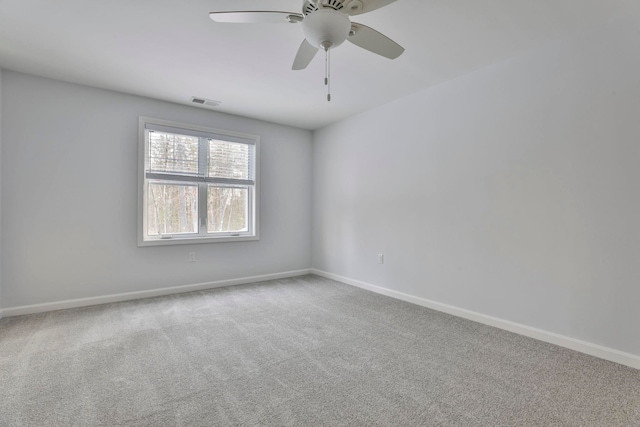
205	102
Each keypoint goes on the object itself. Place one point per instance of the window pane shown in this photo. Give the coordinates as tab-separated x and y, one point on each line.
172	209
173	153
228	160
227	209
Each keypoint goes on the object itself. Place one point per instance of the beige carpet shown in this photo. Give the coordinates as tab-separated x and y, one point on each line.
297	352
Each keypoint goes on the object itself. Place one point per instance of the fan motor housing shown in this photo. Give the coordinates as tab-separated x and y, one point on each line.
311	6
349	7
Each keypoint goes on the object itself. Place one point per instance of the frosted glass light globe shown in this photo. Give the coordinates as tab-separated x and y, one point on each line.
326	25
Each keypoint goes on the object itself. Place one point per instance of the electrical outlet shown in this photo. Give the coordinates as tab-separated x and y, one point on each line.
192	257
380	258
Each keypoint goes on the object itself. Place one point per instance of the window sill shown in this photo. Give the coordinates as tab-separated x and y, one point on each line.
195	240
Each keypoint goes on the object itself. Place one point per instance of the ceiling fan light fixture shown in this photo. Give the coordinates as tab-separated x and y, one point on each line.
326	25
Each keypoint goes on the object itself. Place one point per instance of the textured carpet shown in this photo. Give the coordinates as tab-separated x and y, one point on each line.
295	352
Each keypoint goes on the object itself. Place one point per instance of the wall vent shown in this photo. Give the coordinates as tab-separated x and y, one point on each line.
205	102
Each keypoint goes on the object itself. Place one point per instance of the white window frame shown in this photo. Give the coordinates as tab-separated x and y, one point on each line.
202	236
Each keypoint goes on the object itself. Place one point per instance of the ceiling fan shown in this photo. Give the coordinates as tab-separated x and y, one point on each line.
326	25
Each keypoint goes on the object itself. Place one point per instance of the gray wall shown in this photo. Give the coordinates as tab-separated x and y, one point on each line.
69	199
1	192
511	192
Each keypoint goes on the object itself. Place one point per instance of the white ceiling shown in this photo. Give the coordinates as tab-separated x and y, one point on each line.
171	50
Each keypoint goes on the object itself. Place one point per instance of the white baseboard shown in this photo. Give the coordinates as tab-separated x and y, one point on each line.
596	350
83	302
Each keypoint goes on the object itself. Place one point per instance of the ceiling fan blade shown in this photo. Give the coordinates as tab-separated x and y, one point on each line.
373	41
367	6
256	17
305	54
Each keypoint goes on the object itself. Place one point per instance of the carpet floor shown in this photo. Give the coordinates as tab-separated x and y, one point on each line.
303	351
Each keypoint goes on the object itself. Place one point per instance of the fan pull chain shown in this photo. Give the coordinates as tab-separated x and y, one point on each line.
326	45
327	72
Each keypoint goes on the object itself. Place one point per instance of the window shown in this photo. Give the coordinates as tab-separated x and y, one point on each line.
196	184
